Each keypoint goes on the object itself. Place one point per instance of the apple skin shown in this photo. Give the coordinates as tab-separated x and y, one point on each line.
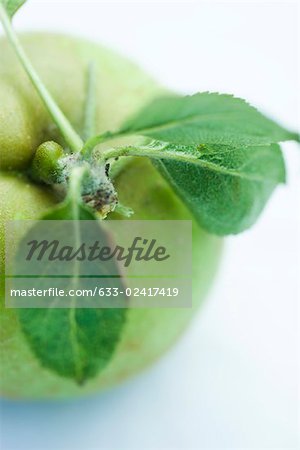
62	64
123	88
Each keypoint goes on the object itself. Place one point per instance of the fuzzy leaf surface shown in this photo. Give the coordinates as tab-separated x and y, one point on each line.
226	188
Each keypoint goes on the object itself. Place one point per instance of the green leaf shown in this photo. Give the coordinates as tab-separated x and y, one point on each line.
75	343
12	6
205	118
226	188
90	102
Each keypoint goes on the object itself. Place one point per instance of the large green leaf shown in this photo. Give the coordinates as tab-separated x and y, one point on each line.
74	342
205	118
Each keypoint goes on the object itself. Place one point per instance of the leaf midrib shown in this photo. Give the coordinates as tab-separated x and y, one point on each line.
74	341
181	157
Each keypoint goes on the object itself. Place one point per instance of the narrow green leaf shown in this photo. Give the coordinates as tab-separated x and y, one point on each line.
206	118
75	343
12	6
226	188
90	103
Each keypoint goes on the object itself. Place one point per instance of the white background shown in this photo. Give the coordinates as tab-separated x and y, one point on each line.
232	380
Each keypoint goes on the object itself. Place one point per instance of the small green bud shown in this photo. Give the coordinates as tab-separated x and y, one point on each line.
46	166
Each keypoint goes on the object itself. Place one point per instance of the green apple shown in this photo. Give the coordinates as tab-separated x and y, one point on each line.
24	124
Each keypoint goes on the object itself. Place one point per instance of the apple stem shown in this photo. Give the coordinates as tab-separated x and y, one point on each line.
72	139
